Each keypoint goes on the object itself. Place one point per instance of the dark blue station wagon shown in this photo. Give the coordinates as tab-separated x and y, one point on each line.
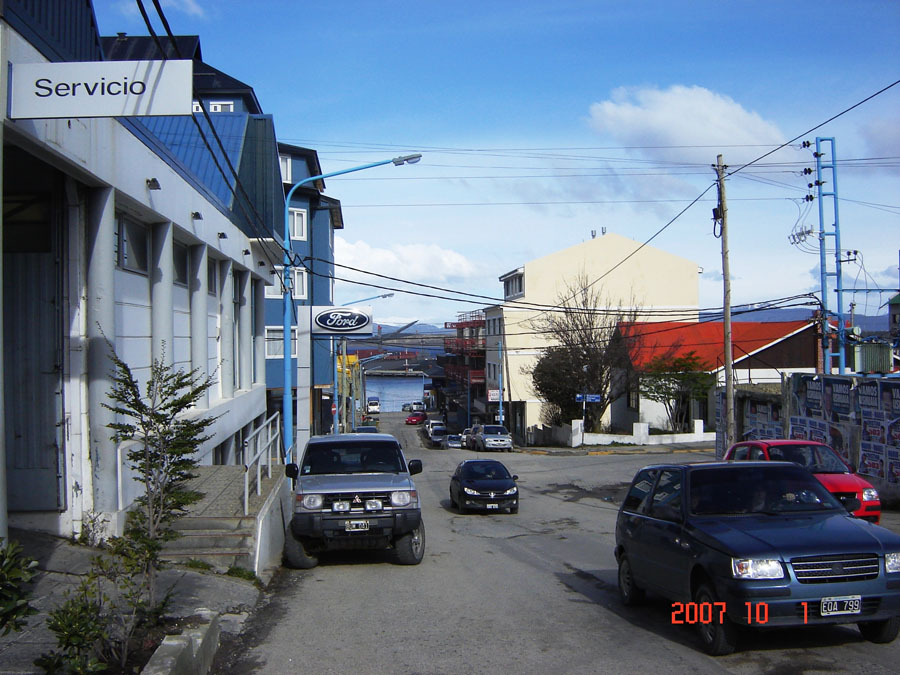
758	544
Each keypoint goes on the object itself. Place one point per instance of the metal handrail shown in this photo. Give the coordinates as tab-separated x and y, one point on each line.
262	447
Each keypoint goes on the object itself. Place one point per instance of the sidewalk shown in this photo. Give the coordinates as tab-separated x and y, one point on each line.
60	566
700	446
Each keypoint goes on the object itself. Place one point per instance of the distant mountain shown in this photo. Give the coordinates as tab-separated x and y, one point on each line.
868	324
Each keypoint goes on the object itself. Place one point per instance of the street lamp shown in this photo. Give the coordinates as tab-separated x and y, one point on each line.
287	281
334	414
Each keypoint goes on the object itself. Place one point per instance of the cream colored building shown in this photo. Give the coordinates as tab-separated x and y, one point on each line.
660	285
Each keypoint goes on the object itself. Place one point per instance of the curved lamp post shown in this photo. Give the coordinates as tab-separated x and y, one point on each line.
287	281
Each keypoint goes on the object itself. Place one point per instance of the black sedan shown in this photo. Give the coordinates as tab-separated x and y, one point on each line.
483	485
755	544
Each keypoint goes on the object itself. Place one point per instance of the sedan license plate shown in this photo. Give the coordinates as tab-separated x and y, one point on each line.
356	525
843	604
493	506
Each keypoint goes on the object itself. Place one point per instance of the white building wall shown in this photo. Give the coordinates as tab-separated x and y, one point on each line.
102	152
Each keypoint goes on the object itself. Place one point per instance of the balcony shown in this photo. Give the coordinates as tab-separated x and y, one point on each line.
466	320
464	345
464	374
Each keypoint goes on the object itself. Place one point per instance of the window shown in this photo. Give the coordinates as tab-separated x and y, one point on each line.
666	503
214	106
181	256
299	288
132	245
285	162
275	342
513	286
637	496
298	224
212	277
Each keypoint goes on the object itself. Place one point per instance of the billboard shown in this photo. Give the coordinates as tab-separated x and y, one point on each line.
101	89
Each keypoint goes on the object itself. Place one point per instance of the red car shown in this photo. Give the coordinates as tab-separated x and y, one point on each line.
823	462
417	417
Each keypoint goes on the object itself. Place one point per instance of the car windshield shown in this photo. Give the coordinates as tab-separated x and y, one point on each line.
485	471
816	458
347	457
495	431
758	489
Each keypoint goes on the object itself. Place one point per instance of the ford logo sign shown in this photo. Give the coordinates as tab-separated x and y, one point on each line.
342	320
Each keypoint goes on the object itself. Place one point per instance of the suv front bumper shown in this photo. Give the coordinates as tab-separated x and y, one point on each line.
334	528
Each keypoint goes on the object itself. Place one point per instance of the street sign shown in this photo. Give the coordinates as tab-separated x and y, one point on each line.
334	409
588	398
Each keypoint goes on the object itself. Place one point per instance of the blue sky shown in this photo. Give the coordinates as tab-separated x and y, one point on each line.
540	122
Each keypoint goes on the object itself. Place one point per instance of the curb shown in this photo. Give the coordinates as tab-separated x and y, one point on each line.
190	653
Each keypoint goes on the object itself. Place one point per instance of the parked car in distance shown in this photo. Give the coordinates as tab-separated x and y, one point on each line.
452	441
373	405
416	418
406	407
436	435
757	544
464	437
417	406
490	437
484	485
366	430
354	491
823	462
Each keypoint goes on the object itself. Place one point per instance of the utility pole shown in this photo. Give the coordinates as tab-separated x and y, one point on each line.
720	215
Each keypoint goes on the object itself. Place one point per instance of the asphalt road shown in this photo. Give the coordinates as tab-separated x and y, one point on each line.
533	592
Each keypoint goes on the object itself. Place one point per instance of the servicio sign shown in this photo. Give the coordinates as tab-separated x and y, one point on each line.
342	321
101	89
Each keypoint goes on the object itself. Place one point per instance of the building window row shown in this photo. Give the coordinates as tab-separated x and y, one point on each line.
513	286
214	106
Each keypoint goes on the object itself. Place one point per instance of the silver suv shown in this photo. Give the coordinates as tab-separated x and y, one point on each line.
490	437
354	491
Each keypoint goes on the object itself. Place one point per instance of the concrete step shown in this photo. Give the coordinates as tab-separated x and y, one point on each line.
221	523
241	539
220	559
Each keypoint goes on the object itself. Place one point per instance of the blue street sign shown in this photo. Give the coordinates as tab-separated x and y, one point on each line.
589	398
579	398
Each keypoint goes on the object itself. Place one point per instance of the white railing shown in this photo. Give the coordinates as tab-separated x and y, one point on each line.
258	449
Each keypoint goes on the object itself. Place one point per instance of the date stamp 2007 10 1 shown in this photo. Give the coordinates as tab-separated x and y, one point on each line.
714	612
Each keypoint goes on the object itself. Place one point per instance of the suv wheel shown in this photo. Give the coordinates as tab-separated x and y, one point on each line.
410	548
295	553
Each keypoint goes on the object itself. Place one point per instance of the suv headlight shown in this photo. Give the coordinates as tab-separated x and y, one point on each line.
892	562
870	495
401	498
742	568
312	502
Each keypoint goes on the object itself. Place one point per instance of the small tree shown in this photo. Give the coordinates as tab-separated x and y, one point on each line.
675	382
589	356
166	437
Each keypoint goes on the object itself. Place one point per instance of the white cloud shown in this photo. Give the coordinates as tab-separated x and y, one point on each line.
655	120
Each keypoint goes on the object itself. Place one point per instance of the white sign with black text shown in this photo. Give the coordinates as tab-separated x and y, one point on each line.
101	89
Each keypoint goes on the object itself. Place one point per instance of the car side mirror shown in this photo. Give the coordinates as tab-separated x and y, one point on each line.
515	477
291	470
415	466
851	504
